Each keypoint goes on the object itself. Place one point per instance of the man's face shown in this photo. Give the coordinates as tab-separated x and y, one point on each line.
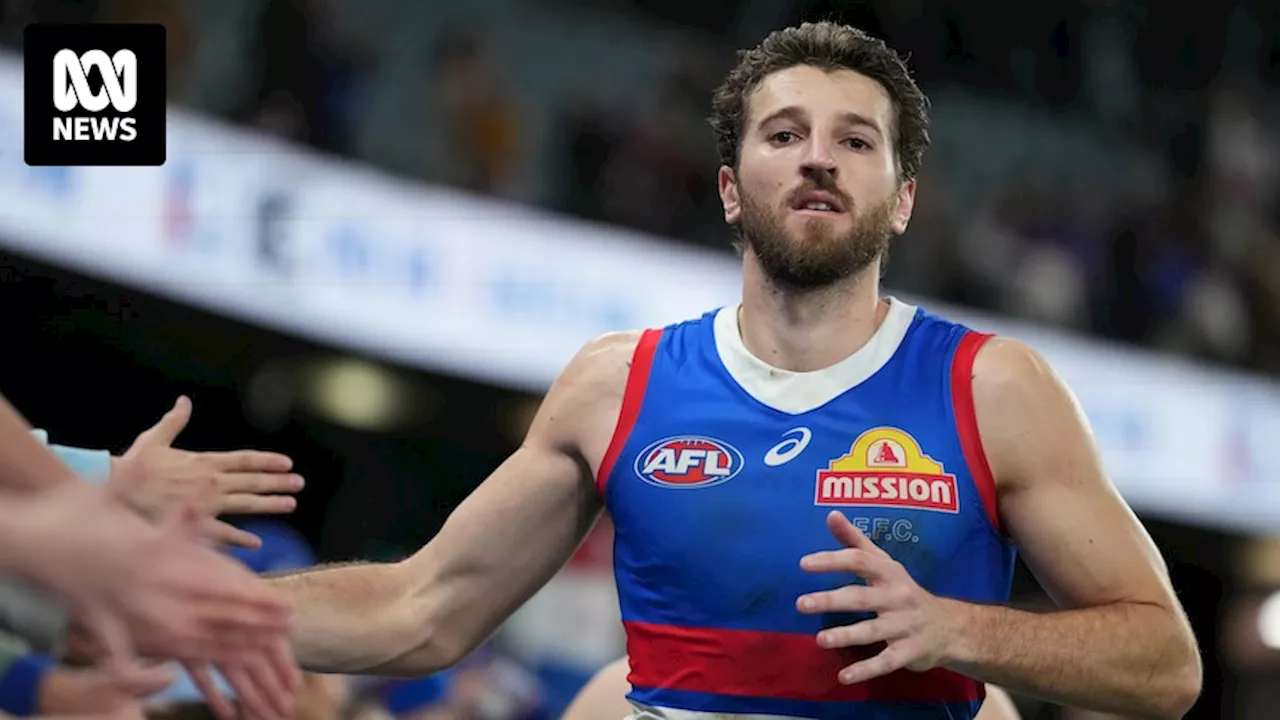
816	193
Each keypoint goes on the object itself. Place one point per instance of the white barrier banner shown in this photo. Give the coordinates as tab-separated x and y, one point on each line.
253	228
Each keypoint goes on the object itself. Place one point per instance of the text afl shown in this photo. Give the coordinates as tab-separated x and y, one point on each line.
688	461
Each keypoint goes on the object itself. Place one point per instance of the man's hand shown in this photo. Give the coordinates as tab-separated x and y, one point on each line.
912	622
244	482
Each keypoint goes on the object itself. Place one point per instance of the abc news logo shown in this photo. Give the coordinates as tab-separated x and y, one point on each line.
71	91
94	94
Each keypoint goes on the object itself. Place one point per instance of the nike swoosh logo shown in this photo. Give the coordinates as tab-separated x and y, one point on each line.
797	439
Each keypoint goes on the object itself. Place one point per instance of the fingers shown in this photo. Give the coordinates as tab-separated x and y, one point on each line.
232	626
893	658
870	566
245	503
249	461
199	604
267	684
118	660
849	535
850	598
285	665
253	700
229	534
259	482
236	596
170	426
193	641
142	680
203	680
277	678
860	634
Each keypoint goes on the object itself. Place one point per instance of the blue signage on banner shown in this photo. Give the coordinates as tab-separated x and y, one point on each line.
522	294
356	253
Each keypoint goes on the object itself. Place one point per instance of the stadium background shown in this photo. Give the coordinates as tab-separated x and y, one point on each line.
1106	168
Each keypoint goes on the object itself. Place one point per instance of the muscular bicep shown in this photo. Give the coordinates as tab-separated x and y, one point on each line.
520	526
506	540
1072	528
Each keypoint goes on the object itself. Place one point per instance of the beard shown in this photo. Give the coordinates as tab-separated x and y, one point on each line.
821	256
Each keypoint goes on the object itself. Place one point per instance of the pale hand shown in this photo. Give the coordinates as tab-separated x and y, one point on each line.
84	691
244	482
156	590
913	623
266	685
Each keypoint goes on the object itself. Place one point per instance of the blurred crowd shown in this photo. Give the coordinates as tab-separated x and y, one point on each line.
1107	166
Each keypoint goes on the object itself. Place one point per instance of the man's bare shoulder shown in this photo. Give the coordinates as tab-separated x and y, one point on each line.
1026	414
582	407
601	366
1005	368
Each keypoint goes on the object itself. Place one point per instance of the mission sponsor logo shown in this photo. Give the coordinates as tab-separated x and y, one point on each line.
885	467
688	461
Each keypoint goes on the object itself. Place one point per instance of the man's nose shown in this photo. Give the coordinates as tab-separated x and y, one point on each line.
819	156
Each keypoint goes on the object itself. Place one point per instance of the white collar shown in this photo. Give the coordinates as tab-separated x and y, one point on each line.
799	392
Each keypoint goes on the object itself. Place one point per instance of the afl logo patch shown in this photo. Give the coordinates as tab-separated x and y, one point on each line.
688	461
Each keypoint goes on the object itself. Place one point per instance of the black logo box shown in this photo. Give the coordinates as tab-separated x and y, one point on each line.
40	42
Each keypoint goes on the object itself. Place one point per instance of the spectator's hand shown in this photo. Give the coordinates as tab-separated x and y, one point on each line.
81	691
154	588
244	482
266	685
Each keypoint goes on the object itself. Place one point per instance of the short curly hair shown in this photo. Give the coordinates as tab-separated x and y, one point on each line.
829	46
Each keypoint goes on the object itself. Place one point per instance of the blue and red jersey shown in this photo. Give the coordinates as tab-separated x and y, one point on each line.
719	479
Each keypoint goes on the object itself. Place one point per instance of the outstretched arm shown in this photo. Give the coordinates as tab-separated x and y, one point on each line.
505	541
25	465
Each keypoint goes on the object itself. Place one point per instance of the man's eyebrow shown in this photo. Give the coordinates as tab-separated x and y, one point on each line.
791	112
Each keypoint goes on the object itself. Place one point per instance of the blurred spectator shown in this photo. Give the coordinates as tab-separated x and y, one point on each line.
989	245
589	137
1240	174
180	35
921	260
479	147
660	175
308	74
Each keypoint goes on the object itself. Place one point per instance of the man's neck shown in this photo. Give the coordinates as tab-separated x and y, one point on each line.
803	331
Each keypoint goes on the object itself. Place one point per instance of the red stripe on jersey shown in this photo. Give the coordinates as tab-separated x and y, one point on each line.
632	399
785	666
966	418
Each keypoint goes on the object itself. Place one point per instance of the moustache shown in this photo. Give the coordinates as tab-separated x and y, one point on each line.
821	182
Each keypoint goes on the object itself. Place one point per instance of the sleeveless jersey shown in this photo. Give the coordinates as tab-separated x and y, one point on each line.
719	478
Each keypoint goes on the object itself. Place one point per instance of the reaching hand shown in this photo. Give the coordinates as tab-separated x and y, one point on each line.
266	685
912	622
78	691
244	482
154	588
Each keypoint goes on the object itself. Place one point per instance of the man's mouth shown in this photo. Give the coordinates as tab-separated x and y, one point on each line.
818	201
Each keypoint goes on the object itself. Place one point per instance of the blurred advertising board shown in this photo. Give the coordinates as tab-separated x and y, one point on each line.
249	227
